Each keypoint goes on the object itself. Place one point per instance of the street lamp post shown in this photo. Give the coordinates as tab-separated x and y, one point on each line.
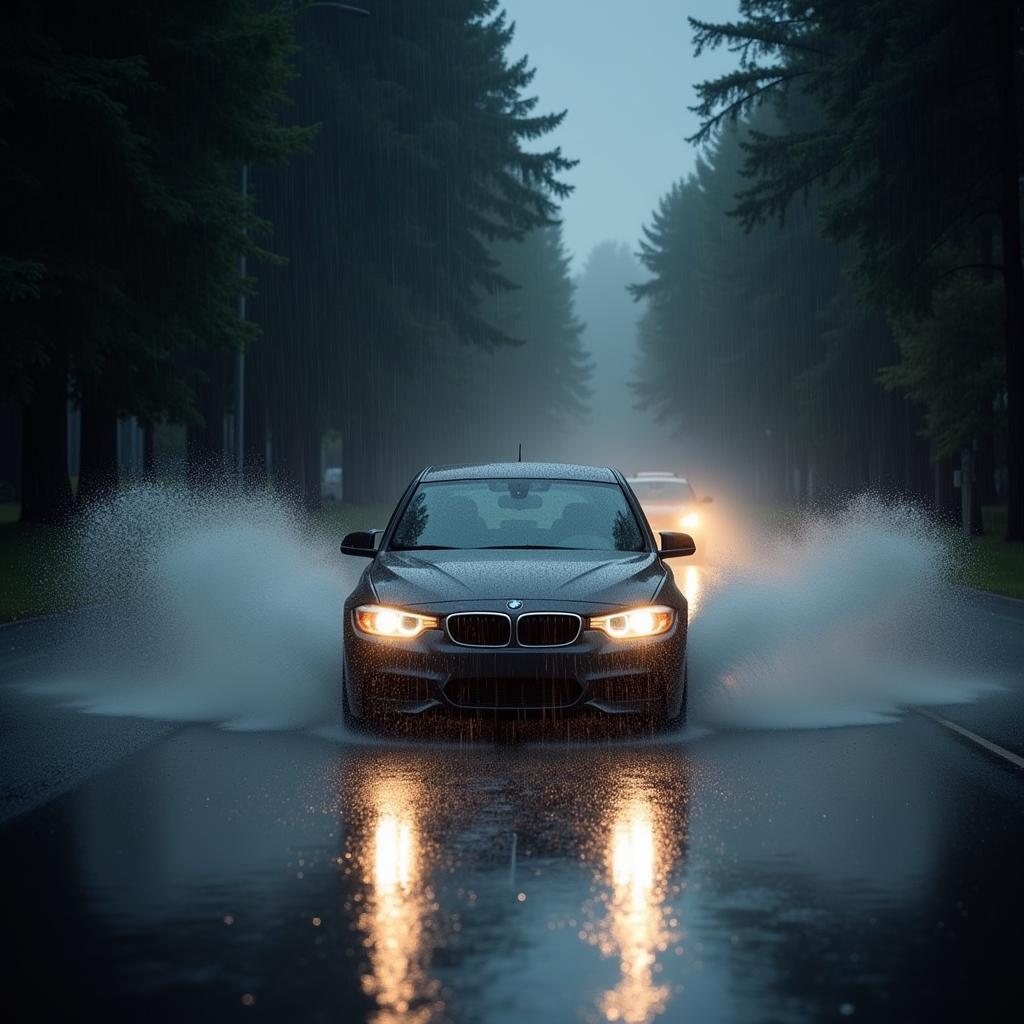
242	270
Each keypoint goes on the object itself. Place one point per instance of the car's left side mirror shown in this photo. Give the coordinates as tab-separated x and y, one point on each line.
360	543
707	499
674	545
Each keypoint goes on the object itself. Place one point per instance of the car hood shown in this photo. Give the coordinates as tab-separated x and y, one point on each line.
434	577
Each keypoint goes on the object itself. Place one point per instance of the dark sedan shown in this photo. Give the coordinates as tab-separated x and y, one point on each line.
523	589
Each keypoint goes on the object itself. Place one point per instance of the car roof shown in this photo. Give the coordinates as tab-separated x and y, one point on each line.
518	470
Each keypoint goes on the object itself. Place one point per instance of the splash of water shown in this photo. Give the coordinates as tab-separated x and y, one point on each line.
224	608
849	621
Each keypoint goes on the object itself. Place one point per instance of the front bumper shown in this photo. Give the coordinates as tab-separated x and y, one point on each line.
593	674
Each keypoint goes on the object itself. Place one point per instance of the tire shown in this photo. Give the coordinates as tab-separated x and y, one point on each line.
348	719
679	719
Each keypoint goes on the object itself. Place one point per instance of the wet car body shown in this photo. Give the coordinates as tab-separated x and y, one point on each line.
537	655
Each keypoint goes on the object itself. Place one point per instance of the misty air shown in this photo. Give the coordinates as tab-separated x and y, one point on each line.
512	510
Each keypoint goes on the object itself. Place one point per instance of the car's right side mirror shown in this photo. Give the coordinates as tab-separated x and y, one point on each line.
360	543
674	545
707	499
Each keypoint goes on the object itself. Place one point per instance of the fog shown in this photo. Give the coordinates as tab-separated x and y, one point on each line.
626	74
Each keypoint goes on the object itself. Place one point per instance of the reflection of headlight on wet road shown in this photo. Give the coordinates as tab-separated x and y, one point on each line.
393	854
396	920
635	929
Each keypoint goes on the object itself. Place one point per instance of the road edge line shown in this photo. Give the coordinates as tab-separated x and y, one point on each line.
993	748
60	614
979	592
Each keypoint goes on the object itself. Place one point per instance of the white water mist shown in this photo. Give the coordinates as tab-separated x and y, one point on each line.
849	621
223	608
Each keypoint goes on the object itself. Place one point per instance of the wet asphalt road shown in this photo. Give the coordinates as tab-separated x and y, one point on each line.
166	872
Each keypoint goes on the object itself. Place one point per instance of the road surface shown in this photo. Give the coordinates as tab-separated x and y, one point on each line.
179	872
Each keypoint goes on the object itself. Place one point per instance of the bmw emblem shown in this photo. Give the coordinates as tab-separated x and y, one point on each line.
514	604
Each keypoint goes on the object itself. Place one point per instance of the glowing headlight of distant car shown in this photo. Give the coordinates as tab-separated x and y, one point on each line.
638	622
689	521
376	620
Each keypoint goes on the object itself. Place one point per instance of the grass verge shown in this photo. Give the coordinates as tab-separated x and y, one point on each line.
33	567
994	565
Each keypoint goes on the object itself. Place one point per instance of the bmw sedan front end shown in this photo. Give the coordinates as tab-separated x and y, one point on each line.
518	589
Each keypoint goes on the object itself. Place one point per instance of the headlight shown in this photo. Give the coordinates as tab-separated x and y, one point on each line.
636	623
689	521
393	622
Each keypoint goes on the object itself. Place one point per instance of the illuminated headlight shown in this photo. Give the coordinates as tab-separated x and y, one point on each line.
690	521
377	620
637	623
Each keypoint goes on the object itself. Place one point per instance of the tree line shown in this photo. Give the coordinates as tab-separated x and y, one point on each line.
836	293
396	238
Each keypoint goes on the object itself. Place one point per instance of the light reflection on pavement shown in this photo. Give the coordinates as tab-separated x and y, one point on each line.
790	875
635	929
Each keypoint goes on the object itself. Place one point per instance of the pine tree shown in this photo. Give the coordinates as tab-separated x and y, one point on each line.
916	146
123	222
423	165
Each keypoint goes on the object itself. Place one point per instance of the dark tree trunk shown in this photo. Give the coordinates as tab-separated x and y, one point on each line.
204	446
364	464
148	451
255	436
985	473
289	478
312	440
45	487
918	471
97	473
947	497
977	527
1007	38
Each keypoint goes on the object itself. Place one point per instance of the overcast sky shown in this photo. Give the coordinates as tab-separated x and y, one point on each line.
625	71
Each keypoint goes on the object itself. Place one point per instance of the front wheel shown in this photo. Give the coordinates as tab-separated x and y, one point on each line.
348	719
679	719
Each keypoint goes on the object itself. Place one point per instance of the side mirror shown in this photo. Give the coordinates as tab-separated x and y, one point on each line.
360	543
707	499
674	545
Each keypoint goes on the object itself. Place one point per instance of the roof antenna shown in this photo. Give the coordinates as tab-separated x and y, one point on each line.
520	451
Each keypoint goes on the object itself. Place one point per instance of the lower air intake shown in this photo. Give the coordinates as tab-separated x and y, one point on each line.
499	694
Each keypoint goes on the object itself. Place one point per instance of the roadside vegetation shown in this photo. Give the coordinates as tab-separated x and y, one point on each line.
835	294
994	564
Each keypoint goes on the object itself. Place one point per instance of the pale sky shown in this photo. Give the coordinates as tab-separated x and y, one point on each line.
625	71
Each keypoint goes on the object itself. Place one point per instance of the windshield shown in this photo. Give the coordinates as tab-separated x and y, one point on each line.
559	514
663	490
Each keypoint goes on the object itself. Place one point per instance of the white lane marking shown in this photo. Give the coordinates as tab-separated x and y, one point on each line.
1006	618
992	748
26	659
990	593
